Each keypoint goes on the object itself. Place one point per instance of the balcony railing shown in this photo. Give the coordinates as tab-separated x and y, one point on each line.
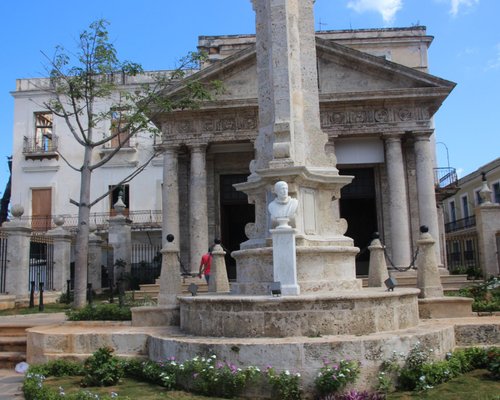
460	224
141	220
36	148
445	177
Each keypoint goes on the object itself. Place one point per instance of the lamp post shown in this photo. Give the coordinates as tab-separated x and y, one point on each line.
447	153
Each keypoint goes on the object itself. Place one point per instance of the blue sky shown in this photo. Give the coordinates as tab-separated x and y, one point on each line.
156	33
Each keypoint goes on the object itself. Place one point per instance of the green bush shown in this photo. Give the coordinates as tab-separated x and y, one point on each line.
59	367
334	377
284	385
493	361
102	369
100	312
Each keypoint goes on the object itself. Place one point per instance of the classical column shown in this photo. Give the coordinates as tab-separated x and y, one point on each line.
170	194
398	202
198	215
120	238
426	195
95	260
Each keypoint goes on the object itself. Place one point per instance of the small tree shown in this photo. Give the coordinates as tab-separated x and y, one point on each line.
80	83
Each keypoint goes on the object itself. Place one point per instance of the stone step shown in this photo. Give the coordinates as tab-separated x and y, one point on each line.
9	359
13	330
13	343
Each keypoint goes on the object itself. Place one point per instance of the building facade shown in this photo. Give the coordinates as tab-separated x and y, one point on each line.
377	101
467	233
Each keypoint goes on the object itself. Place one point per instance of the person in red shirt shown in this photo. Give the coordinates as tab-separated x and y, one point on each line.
206	262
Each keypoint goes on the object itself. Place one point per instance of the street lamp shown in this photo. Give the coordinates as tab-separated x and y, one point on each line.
447	153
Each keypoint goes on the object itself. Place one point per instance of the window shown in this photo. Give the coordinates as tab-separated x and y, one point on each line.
453	211
119	130
116	191
43	131
496	192
465	206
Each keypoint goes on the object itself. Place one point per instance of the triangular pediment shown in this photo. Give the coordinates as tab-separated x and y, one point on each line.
345	75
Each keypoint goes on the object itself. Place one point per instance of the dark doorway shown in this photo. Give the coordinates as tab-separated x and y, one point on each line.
358	207
235	213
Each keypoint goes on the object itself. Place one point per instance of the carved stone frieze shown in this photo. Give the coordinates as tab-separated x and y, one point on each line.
347	118
212	125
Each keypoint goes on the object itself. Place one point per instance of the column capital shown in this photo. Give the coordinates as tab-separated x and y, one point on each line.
198	147
392	137
422	135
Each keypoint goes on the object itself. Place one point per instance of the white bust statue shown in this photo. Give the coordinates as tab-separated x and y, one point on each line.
283	207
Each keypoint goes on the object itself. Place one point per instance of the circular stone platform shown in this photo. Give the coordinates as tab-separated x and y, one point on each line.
343	313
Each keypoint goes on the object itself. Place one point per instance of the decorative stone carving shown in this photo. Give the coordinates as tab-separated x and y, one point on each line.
283	207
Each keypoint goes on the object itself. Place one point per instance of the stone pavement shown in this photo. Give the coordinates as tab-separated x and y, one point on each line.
10	384
10	381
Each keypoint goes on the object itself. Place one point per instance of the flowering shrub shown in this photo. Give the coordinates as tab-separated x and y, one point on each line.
355	395
493	361
284	385
333	377
102	368
209	376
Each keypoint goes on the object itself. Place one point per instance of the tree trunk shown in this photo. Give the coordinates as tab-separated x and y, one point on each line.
82	236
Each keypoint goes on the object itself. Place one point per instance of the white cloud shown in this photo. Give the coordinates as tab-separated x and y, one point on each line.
386	8
495	62
455	5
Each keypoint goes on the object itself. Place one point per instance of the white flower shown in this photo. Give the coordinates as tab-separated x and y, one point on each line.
297	375
287	372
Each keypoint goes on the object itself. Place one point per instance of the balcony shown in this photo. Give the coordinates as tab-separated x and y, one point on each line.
445	183
460	224
36	148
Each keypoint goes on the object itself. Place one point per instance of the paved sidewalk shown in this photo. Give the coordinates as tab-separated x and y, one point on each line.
10	384
10	381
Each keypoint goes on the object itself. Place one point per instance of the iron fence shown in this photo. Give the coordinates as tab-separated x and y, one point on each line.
41	262
3	261
460	224
145	264
462	253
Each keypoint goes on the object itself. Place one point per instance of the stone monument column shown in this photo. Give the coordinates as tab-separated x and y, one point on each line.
62	250
198	214
18	253
120	238
398	202
426	194
170	193
95	260
291	147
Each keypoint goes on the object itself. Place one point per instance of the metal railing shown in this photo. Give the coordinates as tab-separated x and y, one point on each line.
32	145
41	262
445	177
460	224
141	220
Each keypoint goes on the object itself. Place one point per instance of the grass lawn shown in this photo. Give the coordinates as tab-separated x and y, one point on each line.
475	385
128	387
49	308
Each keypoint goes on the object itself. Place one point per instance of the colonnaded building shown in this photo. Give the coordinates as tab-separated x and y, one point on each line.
377	102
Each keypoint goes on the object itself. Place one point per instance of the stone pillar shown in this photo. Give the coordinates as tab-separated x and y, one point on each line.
426	194
285	260
398	203
95	260
428	280
170	278
377	273
18	252
62	254
198	215
488	227
170	193
218	283
120	238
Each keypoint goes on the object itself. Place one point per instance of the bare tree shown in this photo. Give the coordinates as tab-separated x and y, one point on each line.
82	81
